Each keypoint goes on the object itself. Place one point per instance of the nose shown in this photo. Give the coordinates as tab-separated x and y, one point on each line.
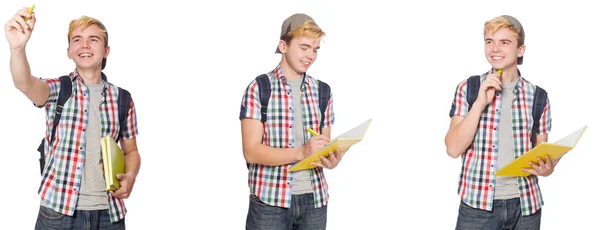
312	55
85	44
495	48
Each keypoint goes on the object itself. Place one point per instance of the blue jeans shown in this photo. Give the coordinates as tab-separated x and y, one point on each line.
506	214
302	214
96	219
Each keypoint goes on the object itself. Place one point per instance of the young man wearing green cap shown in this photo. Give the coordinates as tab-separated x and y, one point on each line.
494	130
72	190
276	137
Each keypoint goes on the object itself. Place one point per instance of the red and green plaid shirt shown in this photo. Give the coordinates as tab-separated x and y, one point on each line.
63	171
273	184
479	163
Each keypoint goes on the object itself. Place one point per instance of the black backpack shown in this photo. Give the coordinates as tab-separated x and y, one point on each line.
539	102
65	92
264	90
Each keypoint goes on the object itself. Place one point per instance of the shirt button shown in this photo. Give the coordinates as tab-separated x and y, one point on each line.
290	108
494	128
493	146
492	166
491	185
80	148
85	110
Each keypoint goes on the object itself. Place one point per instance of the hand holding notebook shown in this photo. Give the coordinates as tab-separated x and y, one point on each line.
341	143
334	157
543	151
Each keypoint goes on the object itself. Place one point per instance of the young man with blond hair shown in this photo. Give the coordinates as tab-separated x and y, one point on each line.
494	130
275	138
72	190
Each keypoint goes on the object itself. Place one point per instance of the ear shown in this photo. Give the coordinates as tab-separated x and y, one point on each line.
282	46
106	51
521	51
69	53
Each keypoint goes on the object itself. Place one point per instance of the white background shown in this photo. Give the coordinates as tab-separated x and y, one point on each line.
187	65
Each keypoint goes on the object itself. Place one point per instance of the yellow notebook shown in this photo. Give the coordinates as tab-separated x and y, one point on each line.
114	162
342	142
554	150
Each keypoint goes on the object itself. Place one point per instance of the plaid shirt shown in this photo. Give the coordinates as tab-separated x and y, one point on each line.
273	184
477	180
62	174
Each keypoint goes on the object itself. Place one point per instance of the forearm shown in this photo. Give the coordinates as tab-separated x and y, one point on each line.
20	70
265	155
461	135
132	163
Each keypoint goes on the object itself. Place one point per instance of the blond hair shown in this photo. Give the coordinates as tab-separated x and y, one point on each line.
84	22
498	23
309	29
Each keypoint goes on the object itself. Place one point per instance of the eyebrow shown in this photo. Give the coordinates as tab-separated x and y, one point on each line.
501	40
79	36
309	46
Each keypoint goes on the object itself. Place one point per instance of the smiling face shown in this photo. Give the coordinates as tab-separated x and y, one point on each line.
300	53
502	48
88	43
87	47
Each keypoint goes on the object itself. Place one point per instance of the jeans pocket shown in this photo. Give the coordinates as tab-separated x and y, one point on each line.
255	200
50	214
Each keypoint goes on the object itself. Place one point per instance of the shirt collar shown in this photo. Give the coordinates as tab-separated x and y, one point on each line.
279	75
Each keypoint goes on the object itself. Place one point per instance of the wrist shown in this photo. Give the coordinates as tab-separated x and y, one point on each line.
16	50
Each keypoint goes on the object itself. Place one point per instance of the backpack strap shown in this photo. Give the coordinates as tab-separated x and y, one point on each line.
539	102
264	93
472	89
123	101
63	96
324	95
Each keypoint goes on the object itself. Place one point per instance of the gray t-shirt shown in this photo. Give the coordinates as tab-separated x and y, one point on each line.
92	194
506	187
301	182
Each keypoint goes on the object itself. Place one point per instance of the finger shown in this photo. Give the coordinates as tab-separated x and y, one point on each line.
22	24
326	162
13	25
549	163
318	164
120	176
534	166
541	164
333	157
530	171
32	21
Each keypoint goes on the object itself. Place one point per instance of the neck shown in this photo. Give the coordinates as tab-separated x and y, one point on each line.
288	72
509	75
90	76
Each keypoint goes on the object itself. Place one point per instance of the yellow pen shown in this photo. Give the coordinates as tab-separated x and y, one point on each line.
30	11
312	132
